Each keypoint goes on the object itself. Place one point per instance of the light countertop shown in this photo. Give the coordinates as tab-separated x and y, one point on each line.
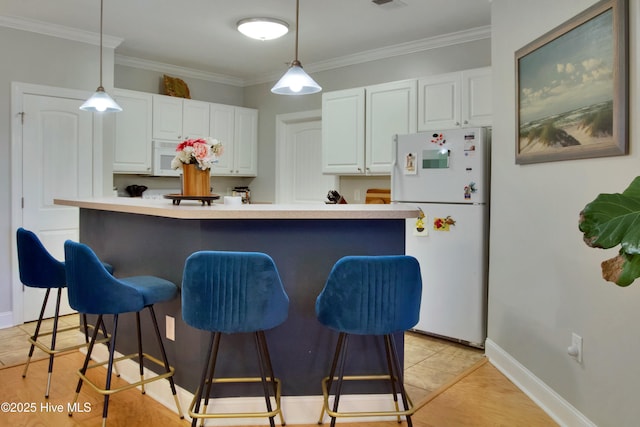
195	210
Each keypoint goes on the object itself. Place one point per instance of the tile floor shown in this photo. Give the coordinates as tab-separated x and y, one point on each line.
429	361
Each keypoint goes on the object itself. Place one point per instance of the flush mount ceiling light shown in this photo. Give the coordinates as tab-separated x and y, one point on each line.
100	101
263	28
296	81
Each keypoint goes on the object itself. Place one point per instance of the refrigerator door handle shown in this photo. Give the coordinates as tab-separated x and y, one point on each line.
394	152
394	161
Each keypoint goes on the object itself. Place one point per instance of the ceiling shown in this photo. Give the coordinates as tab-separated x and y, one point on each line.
201	34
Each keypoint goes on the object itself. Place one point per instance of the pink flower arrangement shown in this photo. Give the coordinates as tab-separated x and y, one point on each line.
203	151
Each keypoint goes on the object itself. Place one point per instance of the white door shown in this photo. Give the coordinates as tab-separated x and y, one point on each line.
299	165
57	154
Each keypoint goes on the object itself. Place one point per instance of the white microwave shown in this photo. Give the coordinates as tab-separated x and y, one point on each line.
163	154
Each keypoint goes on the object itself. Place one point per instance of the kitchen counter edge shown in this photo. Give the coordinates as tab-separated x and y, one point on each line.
195	210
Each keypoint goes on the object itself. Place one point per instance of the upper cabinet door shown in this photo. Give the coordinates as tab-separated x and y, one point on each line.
476	101
132	145
439	102
167	117
195	119
221	125
246	142
343	131
391	109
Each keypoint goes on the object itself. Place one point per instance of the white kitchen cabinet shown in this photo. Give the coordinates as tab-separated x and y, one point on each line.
132	133
237	129
358	126
343	131
390	109
195	119
453	100
177	119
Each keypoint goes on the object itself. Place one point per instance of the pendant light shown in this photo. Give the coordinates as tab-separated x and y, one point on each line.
296	81
100	101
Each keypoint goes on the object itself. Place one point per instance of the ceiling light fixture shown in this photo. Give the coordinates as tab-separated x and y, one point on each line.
263	28
100	101
296	81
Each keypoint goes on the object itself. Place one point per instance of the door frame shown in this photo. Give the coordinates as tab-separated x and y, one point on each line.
18	90
282	122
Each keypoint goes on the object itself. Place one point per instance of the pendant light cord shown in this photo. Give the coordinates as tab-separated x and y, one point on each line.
101	11
295	61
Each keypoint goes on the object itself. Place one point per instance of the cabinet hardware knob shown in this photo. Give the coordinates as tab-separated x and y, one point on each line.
466	122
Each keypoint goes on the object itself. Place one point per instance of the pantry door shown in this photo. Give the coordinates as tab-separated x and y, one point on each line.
299	177
57	162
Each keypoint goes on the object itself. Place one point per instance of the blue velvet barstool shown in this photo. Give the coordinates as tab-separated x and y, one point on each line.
39	269
92	290
230	293
369	295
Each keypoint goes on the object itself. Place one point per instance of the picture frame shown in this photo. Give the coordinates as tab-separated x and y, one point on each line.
572	98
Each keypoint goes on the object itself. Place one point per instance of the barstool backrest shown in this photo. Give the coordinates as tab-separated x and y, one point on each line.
38	268
232	292
92	289
371	295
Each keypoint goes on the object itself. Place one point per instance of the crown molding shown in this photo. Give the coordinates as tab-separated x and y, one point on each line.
415	46
175	69
59	31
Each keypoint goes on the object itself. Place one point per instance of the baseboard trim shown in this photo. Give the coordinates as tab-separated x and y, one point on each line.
296	409
6	319
551	402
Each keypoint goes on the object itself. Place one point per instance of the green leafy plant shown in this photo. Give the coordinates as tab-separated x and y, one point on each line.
611	220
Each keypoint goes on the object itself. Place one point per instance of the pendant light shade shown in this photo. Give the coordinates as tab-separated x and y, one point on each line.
100	101
296	81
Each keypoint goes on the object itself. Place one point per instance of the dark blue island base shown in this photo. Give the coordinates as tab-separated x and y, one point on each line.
304	251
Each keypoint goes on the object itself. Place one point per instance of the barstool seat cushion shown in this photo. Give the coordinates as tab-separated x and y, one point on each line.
153	289
232	292
371	295
108	294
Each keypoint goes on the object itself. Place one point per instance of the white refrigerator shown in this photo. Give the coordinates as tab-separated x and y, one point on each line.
445	174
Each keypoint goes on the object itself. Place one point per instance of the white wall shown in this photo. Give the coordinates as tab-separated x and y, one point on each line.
544	282
128	77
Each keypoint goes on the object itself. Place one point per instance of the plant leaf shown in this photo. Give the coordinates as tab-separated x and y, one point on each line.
622	270
613	219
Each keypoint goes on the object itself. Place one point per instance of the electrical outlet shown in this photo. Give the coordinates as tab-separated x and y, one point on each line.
575	350
170	328
356	195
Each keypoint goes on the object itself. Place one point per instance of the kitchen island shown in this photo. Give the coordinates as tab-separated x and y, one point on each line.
139	236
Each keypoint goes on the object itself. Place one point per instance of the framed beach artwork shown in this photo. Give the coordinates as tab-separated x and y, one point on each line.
572	88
